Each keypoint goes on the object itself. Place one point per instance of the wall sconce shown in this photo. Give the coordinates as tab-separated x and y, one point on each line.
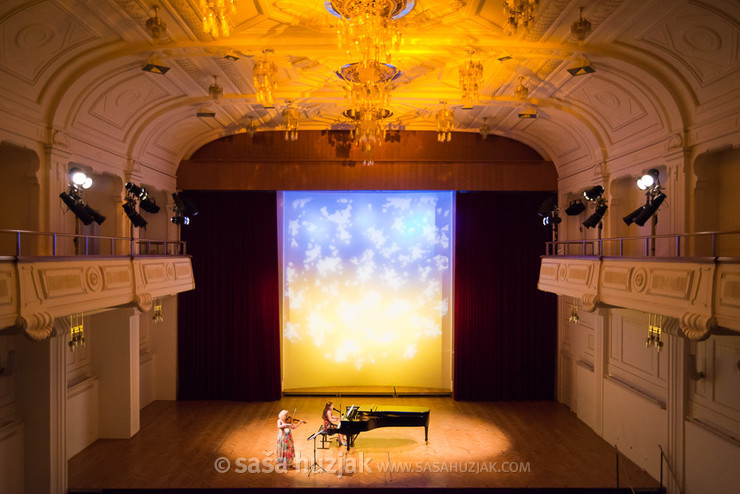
76	331
157	307
655	331
574	318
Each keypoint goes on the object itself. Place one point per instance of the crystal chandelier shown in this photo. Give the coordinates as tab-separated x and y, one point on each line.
445	122
471	77
368	130
519	14
290	120
216	16
368	85
265	80
521	90
369	30
215	91
485	129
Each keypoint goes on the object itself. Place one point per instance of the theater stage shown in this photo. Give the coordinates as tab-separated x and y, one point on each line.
471	444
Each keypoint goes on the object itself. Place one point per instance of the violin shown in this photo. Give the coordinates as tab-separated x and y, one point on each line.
293	420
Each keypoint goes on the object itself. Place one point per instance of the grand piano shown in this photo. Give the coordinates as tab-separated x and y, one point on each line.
364	418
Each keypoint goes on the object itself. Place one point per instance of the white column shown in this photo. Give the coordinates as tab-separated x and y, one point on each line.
115	360
601	335
677	349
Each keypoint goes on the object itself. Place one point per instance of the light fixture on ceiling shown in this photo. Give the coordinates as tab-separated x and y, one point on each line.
291	116
231	56
155	26
527	111
471	78
369	30
504	57
205	111
581	28
134	192
521	90
217	16
550	212
250	129
484	129
581	66
154	66
368	130
214	90
445	122
265	79
519	15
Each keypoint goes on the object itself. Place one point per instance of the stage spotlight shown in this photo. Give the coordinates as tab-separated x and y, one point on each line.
179	219
130	208
648	180
576	207
149	205
135	190
551	220
99	218
593	193
77	207
185	205
548	205
595	218
630	218
80	179
650	209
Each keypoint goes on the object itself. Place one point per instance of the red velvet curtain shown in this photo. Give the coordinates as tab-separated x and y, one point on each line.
228	327
505	328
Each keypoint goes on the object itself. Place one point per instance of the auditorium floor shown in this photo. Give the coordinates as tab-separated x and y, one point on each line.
471	444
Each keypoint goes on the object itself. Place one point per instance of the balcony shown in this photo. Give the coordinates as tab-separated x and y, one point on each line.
44	276
692	278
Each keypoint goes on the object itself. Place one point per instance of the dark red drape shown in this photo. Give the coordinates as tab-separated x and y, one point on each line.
505	329
228	327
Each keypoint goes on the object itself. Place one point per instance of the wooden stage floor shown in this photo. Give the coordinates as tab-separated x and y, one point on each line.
471	444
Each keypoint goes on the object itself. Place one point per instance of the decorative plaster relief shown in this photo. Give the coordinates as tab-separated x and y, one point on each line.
61	282
697	327
38	326
616	277
116	276
590	302
153	273
671	283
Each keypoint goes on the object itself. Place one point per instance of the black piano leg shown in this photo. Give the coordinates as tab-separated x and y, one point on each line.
426	434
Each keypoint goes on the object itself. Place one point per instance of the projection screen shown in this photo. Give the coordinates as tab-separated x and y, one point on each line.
367	280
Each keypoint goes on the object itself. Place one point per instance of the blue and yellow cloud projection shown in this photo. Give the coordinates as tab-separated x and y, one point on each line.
366	289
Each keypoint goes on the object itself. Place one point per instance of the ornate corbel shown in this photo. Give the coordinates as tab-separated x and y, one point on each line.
589	302
697	327
38	326
144	302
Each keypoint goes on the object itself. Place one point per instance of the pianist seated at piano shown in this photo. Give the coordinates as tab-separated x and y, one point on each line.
331	422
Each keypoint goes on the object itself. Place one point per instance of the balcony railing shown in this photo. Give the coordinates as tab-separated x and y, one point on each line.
35	244
701	244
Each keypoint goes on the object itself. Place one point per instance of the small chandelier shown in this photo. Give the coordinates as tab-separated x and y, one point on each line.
485	129
521	90
217	16
471	77
250	129
290	119
265	80
369	30
574	317
369	129
581	28
445	122
655	332
156	26
158	315
76	331
519	14
215	91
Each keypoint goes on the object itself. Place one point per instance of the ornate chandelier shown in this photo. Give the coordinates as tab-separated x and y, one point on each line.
216	16
471	77
445	122
369	30
265	80
581	28
368	130
521	90
156	26
215	91
368	85
291	115
250	129
519	15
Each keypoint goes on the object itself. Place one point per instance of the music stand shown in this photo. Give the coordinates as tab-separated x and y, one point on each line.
315	464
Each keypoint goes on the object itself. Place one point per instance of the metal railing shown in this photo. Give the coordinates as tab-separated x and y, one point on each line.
700	244
38	244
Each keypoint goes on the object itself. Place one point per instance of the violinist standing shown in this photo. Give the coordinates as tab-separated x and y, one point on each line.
285	447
